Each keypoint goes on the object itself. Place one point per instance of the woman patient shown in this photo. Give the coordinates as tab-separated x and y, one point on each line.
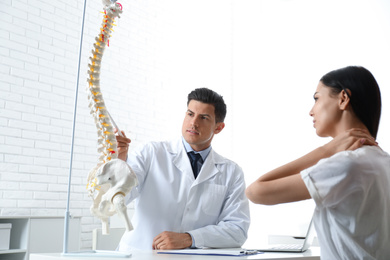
348	178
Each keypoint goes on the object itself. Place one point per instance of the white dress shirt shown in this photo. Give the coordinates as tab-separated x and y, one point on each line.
352	194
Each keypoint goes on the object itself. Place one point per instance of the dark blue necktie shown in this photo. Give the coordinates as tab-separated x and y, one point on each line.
196	162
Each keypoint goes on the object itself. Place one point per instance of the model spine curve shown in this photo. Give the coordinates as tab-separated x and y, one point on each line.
112	178
107	145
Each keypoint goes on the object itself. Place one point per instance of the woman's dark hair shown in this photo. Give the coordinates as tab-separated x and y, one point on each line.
208	96
364	93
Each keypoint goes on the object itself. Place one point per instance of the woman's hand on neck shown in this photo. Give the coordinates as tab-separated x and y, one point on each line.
349	139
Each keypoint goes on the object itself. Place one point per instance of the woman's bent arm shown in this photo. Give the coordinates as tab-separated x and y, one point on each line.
284	184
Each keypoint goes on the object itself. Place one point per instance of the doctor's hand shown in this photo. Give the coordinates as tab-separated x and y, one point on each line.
171	240
123	145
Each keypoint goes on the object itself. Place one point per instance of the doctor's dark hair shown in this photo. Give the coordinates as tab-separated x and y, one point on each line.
208	96
364	93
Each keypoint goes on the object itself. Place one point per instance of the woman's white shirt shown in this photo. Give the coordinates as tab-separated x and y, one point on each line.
351	190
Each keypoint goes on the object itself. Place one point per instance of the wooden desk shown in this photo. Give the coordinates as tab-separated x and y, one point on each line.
312	254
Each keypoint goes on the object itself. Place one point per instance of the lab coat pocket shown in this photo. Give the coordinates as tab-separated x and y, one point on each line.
213	198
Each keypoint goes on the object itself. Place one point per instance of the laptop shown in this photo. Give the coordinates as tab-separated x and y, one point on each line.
303	243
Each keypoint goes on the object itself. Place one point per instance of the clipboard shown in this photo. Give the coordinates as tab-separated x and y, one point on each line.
216	252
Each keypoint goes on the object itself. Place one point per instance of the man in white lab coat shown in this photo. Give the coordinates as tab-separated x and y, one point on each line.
174	206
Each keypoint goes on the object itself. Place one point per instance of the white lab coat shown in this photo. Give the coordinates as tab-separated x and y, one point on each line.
213	208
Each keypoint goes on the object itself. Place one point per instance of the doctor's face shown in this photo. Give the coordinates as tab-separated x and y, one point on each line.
199	125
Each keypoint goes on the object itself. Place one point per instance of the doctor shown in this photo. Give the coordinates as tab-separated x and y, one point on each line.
175	206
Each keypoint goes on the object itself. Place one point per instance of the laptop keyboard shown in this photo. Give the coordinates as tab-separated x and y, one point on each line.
286	246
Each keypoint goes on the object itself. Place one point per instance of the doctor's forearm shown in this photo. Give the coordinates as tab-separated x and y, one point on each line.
219	236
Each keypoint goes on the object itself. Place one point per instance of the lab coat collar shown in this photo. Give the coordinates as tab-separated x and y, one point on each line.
182	162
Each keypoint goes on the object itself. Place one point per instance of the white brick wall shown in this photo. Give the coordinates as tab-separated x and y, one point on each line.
38	65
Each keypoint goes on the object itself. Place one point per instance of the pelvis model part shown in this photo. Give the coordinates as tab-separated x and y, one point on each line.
112	178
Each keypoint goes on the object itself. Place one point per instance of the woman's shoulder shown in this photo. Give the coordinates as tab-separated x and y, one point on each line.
372	152
364	154
347	161
364	159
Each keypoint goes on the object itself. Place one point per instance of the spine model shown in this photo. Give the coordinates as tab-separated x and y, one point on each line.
107	145
111	179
